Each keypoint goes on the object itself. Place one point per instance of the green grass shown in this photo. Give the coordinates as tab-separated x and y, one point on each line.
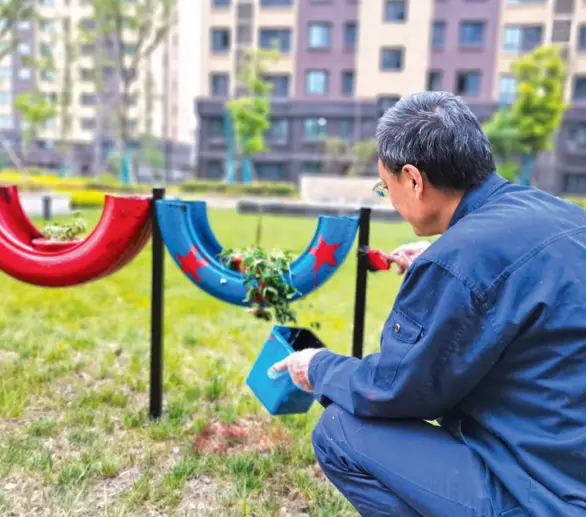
75	438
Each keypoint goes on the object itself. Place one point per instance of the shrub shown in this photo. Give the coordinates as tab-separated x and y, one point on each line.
87	199
235	189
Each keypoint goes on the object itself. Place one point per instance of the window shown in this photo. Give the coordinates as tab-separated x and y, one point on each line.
385	102
560	32
48	25
434	81
391	59
395	11
5	97
50	124
87	49
219	85
277	171
87	124
468	83
574	184
350	35
48	3
5	121
108	72
24	48
346	128
268	38
87	99
216	127
24	25
214	169
86	74
220	40
49	74
280	85
347	82
5	72
316	82
319	35
507	88
222	3
579	88
582	38
314	128
24	73
46	50
129	74
472	34
51	97
519	38
276	3
438	34
279	131
311	167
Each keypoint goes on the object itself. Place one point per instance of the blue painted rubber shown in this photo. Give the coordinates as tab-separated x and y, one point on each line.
190	241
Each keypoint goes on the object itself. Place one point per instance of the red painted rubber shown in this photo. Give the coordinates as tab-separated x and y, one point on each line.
122	232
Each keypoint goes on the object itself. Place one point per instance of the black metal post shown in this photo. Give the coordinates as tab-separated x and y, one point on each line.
156	395
47	207
361	278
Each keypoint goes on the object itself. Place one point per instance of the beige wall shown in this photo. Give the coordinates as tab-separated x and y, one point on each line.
374	33
519	14
215	63
225	17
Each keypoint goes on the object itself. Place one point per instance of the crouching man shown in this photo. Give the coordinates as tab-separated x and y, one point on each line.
487	336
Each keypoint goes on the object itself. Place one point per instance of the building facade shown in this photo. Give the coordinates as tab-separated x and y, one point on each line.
345	61
92	132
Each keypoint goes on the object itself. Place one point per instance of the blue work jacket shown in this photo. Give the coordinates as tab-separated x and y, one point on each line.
488	335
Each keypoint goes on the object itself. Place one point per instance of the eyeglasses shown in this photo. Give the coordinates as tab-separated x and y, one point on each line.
380	189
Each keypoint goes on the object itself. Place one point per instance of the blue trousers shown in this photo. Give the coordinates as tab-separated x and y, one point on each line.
406	468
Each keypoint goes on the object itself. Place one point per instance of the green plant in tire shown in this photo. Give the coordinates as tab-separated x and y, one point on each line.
66	231
266	275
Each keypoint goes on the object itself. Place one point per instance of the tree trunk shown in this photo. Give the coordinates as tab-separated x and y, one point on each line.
527	163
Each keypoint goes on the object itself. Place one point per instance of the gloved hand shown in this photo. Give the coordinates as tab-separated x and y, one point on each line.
298	365
404	255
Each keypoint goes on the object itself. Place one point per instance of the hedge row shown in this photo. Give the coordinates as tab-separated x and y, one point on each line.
235	189
36	183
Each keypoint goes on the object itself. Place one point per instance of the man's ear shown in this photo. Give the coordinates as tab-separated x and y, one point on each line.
414	177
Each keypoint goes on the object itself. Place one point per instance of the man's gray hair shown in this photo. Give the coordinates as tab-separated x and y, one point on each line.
437	133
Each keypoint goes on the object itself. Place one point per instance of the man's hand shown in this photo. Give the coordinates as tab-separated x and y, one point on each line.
298	365
404	255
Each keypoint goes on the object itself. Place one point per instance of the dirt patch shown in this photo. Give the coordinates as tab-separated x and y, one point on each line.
240	436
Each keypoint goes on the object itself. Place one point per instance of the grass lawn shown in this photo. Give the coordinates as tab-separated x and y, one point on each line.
75	439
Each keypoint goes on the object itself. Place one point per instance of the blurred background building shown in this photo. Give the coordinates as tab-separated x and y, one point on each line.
345	61
174	67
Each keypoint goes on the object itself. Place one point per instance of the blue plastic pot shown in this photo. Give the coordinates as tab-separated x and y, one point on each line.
277	393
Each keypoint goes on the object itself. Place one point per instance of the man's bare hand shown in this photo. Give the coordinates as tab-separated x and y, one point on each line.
298	365
404	255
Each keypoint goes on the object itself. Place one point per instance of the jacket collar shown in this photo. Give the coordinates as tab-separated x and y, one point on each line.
477	196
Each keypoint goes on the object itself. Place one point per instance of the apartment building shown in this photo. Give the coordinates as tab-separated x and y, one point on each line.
173	90
345	61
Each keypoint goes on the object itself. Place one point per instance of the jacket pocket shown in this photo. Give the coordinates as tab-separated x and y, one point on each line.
403	328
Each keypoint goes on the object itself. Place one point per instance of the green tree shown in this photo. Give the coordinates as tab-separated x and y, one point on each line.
11	13
251	112
128	33
539	107
504	140
35	110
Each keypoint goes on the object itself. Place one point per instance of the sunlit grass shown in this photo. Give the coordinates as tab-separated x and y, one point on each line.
75	438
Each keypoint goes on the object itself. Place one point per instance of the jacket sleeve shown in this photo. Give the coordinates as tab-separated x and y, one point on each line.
436	345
